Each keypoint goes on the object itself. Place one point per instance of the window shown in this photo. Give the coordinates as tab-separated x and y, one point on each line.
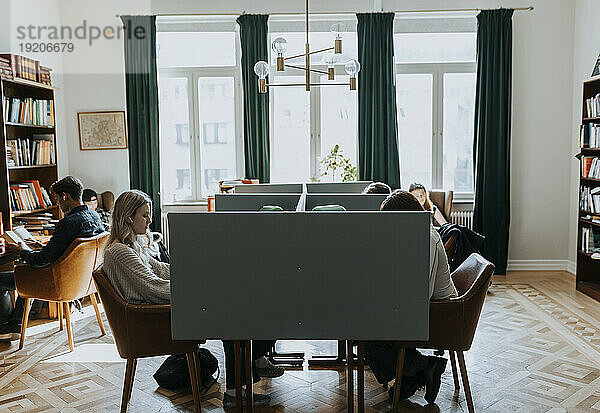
305	126
200	112
435	96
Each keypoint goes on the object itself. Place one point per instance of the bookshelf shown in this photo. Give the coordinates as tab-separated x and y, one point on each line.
31	132
588	228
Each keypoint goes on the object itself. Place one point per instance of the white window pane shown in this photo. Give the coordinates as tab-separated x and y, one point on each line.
338	122
290	151
200	49
434	47
414	100
318	40
174	140
217	127
459	112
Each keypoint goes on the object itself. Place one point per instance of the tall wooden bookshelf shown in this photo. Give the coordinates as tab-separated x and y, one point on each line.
588	268
45	174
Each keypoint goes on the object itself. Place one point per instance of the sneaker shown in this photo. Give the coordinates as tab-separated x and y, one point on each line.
269	371
433	377
260	400
10	331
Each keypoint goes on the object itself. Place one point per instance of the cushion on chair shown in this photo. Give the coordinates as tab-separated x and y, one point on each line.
269	208
329	208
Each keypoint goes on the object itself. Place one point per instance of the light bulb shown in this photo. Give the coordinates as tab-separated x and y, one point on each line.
338	29
261	69
330	60
279	45
352	67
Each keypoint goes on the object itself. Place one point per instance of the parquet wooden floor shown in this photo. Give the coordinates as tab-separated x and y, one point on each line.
537	349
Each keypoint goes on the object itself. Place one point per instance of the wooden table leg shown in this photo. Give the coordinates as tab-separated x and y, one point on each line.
249	381
350	378
398	382
361	377
238	377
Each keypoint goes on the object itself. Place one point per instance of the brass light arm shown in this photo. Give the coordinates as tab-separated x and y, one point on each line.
302	84
313	52
303	68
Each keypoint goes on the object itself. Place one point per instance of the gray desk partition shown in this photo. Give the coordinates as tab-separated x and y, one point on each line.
269	189
337	187
352	202
253	202
228	270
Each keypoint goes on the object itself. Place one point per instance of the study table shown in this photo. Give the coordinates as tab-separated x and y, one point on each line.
222	261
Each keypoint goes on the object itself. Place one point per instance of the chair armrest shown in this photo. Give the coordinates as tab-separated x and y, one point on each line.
35	282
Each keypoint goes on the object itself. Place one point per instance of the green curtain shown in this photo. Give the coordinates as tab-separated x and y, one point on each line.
491	145
254	38
142	108
377	123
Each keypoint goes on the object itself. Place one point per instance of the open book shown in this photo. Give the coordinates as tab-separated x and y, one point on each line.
18	235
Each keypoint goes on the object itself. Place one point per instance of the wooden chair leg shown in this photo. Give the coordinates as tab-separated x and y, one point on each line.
465	379
24	321
361	377
60	316
398	381
98	317
238	376
249	378
350	376
454	372
68	321
128	383
192	367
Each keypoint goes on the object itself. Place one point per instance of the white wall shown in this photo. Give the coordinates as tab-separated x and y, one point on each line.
543	108
586	49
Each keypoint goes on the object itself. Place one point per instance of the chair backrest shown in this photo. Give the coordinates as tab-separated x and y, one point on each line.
450	246
72	272
106	200
443	201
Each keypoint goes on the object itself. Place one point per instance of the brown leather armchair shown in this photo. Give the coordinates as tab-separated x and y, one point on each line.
452	322
106	200
443	201
65	280
144	330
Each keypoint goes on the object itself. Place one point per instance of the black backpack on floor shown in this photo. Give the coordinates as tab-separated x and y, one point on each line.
174	374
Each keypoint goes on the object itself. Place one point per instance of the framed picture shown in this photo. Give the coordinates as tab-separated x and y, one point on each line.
102	130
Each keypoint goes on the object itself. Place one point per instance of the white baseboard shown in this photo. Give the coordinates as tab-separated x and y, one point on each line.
541	265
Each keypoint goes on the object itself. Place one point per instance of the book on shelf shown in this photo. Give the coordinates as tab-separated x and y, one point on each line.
28	196
589	135
28	111
590	240
592	106
44	76
589	199
28	152
22	67
6	71
41	223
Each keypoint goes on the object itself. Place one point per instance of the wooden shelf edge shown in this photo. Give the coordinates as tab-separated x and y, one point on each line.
26	125
17	168
33	211
31	83
591	289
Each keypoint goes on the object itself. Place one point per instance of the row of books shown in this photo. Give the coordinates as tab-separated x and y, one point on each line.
25	68
589	199
26	152
593	106
5	69
39	222
28	195
29	111
590	239
590	167
589	135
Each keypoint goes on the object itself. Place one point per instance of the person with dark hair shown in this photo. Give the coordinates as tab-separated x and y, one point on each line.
79	221
419	370
419	191
377	188
90	198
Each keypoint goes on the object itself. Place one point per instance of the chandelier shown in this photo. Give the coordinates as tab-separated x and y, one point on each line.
279	46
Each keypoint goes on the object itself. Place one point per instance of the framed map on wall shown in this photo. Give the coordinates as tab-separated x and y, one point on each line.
102	130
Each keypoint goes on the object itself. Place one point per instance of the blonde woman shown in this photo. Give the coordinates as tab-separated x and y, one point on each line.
133	272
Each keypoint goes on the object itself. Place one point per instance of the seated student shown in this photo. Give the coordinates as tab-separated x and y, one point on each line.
79	221
420	193
139	278
377	188
90	198
419	370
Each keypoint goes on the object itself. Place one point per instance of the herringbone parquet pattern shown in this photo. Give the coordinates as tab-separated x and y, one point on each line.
537	349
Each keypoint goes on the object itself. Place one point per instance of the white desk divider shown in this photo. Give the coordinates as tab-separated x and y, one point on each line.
352	202
295	188
253	202
355	187
365	275
301	207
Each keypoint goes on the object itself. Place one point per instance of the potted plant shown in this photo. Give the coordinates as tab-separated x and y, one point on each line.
335	163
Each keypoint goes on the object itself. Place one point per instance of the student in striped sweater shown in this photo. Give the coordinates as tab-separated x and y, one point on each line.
139	278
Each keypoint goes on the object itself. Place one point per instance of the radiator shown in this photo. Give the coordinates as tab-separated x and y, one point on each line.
464	218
